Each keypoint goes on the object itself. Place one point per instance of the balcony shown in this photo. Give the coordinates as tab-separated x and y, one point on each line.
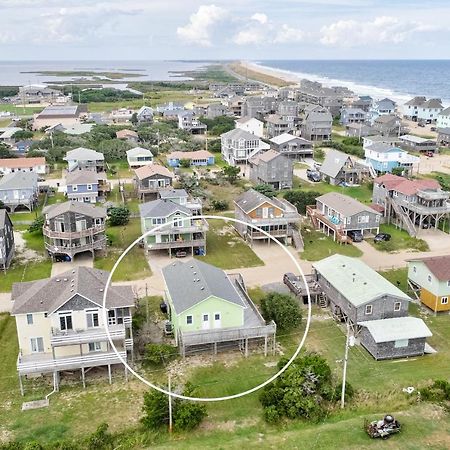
45	363
73	234
76	337
99	244
197	226
177	244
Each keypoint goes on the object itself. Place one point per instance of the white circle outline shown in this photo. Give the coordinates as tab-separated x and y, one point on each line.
206	399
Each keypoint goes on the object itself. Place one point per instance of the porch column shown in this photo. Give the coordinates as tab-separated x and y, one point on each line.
265	346
246	347
109	373
21	385
126	374
83	377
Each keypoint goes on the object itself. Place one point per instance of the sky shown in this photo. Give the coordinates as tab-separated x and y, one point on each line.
224	29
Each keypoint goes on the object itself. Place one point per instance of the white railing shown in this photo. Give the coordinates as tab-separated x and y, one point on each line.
73	337
73	234
100	243
30	364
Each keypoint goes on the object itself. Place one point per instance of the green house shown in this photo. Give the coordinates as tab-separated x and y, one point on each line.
183	232
207	306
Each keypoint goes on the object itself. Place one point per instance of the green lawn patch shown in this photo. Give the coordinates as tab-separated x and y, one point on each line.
34	241
398	277
24	271
226	250
400	240
319	246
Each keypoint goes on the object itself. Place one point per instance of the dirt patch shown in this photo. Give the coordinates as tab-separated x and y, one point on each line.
22	251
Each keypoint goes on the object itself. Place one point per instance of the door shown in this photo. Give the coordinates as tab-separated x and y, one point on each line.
205	321
80	225
265	213
217	320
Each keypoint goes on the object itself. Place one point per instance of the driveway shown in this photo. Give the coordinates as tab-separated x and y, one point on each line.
5	302
80	260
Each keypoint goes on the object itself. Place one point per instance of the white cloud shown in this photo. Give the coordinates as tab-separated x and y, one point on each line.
260	17
384	29
288	35
198	30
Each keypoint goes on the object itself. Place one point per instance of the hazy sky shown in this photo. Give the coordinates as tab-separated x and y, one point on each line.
224	29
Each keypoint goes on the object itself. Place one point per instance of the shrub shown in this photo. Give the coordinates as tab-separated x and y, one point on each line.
271	414
100	439
283	309
301	199
219	205
157	354
37	225
185	163
118	215
265	189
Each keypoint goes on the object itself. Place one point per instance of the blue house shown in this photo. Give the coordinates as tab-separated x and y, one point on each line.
197	158
83	186
384	158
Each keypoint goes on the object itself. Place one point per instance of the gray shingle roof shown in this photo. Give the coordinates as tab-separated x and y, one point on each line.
3	214
333	163
286	137
250	200
381	147
82	177
172	193
238	133
139	151
19	180
345	205
397	328
209	281
161	208
49	294
76	207
84	154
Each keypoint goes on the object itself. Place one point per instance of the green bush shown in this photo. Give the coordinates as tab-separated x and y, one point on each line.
185	163
265	189
301	199
271	415
219	205
37	225
118	215
157	354
283	309
100	439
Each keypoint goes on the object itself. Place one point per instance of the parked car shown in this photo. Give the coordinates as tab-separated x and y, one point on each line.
382	237
421	125
355	235
313	175
430	154
433	128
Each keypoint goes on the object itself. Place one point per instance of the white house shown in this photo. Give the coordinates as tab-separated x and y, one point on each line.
429	111
443	119
138	157
10	165
251	125
238	146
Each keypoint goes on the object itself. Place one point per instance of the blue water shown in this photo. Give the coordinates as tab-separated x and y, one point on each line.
401	79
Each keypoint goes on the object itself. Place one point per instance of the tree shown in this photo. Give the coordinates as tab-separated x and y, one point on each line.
304	390
22	134
134	118
37	225
283	309
186	415
265	189
185	163
301	199
219	205
214	145
118	215
5	152
231	173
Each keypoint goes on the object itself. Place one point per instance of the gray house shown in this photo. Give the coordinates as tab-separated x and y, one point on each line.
336	214
352	115
6	240
19	189
339	168
85	159
375	309
388	125
293	147
74	227
276	125
149	180
216	110
272	168
317	123
145	114
399	337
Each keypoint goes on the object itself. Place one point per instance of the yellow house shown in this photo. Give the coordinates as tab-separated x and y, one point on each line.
60	323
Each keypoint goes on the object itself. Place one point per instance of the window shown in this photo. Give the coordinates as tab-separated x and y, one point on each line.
74	188
95	346
369	309
92	318
65	321
37	345
189	320
89	187
397	306
444	300
415	271
217	316
30	319
177	222
429	278
258	212
448	283
401	343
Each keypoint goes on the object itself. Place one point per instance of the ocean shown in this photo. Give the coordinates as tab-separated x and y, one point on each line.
398	79
14	73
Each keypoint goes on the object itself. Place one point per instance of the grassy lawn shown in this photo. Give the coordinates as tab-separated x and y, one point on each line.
134	266
226	250
398	277
400	240
22	111
362	193
228	192
121	168
319	246
22	271
299	165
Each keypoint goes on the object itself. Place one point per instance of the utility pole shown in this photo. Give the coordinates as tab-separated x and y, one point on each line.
350	342
170	404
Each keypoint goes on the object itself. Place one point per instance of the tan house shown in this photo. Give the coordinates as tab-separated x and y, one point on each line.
127	135
151	179
275	216
10	165
60	324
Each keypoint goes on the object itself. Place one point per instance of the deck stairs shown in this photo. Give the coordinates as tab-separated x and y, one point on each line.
403	217
322	300
297	239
